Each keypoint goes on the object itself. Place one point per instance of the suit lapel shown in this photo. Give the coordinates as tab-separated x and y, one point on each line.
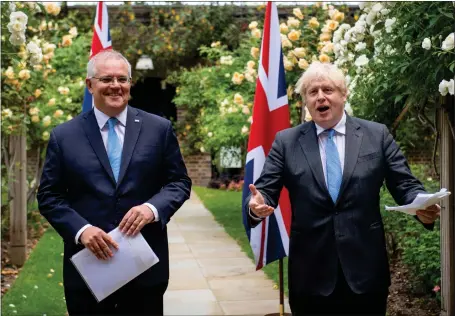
353	142
132	130
92	130
310	146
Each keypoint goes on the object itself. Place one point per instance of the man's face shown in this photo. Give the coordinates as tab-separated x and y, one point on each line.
325	102
111	97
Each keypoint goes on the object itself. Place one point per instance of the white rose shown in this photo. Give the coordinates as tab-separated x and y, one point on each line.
73	31
253	25
426	44
360	46
16	26
388	24
371	17
377	7
362	60
244	129
384	12
33	48
19	16
36	59
46	121
7	113
17	39
299	52
448	43
48	48
444	87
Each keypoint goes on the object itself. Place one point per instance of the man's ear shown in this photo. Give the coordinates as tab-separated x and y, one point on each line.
346	95
88	83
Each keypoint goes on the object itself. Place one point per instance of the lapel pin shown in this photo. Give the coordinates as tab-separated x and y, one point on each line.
137	121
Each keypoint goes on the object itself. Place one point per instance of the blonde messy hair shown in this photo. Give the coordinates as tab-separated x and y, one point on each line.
321	71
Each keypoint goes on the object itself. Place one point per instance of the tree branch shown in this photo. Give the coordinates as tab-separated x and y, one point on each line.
400	116
435	148
39	169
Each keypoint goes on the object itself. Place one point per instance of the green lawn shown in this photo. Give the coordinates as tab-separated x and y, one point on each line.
226	207
38	290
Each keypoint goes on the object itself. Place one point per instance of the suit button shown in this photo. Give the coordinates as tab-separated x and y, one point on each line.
336	213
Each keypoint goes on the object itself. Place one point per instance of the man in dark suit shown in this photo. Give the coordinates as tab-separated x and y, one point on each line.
334	168
114	166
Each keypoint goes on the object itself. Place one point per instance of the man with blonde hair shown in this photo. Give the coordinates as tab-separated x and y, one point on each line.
113	166
334	168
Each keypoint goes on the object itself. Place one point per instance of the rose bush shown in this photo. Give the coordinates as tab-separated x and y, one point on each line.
219	95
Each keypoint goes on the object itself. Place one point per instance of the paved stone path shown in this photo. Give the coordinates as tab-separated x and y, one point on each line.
209	274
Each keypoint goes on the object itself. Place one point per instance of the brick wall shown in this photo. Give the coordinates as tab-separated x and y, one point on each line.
199	169
420	157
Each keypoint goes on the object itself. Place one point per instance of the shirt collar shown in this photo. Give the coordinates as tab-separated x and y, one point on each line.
340	128
102	118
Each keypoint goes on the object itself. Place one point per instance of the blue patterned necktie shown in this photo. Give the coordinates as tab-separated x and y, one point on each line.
114	149
333	166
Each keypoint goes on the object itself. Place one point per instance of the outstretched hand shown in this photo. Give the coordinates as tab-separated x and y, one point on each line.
257	204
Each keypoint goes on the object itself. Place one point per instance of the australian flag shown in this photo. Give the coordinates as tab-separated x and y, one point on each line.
101	41
270	239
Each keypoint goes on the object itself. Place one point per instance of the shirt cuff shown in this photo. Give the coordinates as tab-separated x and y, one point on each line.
255	217
79	233
154	210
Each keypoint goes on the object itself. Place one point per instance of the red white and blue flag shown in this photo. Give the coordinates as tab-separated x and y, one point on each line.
270	239
101	41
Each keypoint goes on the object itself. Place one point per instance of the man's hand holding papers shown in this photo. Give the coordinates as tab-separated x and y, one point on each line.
98	242
424	206
103	277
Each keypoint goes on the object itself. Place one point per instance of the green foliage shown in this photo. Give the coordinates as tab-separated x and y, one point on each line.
219	94
42	80
418	247
172	34
399	72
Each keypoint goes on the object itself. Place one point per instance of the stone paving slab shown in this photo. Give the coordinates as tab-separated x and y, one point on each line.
209	273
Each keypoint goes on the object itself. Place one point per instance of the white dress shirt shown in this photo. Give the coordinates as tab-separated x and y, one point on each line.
102	119
340	141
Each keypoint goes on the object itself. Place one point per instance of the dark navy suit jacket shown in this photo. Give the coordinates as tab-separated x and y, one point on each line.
78	187
350	231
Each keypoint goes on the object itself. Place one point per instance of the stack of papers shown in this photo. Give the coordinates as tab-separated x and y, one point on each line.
104	277
421	202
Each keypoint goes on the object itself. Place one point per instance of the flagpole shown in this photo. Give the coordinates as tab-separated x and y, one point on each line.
280	272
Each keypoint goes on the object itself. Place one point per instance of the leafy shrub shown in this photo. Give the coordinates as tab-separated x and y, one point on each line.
418	247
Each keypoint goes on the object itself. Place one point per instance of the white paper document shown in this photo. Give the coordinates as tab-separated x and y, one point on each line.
421	201
104	277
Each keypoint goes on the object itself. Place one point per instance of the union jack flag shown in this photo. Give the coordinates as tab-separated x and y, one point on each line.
101	41
270	239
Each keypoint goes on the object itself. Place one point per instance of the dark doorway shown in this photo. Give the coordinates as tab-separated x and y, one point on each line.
154	97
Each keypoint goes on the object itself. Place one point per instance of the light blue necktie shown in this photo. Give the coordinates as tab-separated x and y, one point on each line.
114	149
333	166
